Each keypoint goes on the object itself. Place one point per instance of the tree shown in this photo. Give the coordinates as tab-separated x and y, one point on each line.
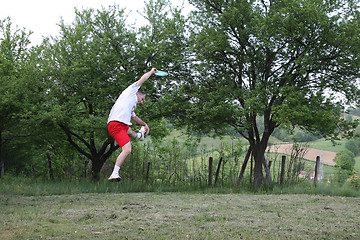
14	55
92	61
82	69
283	61
164	44
353	145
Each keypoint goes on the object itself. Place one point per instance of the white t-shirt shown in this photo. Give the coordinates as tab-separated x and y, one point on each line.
125	105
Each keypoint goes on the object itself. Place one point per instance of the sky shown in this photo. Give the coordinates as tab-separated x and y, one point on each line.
42	16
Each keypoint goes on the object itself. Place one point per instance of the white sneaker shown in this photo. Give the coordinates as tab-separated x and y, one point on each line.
142	132
115	177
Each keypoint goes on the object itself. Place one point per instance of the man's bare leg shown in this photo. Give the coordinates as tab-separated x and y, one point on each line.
126	150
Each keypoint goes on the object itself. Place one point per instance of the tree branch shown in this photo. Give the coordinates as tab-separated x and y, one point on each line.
69	134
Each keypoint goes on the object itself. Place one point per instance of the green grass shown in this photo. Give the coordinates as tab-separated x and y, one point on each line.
327	145
35	209
178	216
33	187
30	187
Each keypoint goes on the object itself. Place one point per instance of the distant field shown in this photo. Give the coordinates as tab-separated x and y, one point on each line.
214	143
208	142
327	157
326	145
179	216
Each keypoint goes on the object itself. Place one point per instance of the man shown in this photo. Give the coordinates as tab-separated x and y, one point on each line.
119	121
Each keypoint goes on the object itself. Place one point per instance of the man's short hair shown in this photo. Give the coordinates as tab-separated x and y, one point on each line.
141	92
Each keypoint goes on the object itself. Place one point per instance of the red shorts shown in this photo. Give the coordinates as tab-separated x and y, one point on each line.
118	131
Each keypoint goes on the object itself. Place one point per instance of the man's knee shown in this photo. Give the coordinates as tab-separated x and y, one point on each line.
127	148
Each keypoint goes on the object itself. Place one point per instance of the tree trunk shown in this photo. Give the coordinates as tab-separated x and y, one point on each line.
258	170
147	171
2	169
1	158
267	171
96	165
259	159
51	172
243	167
259	148
97	157
86	162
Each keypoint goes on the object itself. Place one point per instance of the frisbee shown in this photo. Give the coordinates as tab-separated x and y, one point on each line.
161	73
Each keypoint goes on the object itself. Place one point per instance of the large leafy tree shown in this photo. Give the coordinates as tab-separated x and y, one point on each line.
289	62
14	87
92	61
83	68
163	42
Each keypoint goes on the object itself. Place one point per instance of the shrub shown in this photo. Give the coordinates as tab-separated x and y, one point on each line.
353	145
345	162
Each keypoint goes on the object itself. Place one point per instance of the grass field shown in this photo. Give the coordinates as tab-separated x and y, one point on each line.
179	216
32	209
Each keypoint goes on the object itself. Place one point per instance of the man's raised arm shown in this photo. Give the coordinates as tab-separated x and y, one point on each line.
145	77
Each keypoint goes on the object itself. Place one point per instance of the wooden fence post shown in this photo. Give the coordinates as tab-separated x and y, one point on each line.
282	174
51	172
218	171
210	171
251	168
317	165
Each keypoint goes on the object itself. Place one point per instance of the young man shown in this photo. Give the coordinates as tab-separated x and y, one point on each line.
119	121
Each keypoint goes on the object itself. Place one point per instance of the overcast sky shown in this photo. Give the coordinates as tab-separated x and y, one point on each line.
42	16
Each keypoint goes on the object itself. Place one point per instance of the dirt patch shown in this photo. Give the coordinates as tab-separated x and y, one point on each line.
326	157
